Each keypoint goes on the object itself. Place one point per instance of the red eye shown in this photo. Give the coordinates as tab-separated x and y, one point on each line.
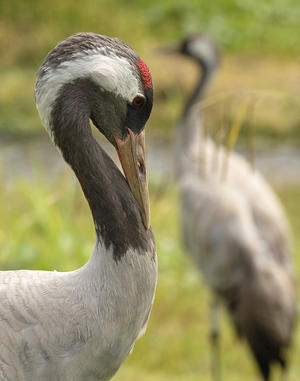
138	101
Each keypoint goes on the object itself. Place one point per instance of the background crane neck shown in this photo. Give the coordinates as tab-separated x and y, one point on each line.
200	88
189	135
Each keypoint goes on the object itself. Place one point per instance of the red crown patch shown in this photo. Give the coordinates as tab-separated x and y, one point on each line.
145	74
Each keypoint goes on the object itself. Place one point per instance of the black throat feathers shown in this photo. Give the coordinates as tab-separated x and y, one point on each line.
115	211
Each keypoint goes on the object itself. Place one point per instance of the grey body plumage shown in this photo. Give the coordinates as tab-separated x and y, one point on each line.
79	325
235	229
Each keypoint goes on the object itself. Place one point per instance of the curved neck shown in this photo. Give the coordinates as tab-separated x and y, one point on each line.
189	134
199	90
115	211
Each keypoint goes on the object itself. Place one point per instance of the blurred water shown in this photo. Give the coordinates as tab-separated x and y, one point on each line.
26	159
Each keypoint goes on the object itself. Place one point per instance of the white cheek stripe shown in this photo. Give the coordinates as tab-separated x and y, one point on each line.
113	74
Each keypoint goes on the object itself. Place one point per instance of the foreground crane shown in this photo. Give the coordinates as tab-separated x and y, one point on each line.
81	325
235	230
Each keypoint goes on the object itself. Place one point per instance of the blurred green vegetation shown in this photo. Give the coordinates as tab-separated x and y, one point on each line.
30	28
45	226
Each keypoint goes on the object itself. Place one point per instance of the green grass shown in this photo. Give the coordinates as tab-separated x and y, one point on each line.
28	29
44	222
48	226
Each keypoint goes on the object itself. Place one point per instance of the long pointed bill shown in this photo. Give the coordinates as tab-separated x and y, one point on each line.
131	153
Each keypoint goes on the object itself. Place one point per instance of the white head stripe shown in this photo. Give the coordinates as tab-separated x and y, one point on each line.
111	73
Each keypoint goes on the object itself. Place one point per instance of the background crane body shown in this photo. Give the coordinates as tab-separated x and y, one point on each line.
234	228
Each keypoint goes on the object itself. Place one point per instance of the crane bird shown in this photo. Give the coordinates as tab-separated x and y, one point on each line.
235	230
81	325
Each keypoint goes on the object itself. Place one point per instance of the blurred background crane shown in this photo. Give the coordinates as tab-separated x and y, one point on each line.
41	208
234	228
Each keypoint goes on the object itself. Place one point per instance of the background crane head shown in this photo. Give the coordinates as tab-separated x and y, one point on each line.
199	47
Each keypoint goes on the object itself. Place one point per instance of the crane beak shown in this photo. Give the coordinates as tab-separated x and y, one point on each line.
131	152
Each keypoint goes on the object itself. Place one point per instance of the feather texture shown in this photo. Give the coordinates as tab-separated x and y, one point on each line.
76	325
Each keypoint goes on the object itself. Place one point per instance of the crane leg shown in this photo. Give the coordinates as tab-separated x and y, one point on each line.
215	341
284	376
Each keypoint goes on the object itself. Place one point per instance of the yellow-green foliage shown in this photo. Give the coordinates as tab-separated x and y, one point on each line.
30	28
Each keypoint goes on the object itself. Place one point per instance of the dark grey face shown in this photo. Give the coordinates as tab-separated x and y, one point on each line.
186	43
113	115
202	49
110	113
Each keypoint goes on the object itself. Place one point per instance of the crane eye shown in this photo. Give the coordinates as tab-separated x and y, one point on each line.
138	101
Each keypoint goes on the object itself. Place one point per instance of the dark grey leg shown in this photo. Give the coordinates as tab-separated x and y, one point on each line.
215	340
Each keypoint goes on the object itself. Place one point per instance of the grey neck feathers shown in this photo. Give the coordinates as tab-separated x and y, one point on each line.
115	211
